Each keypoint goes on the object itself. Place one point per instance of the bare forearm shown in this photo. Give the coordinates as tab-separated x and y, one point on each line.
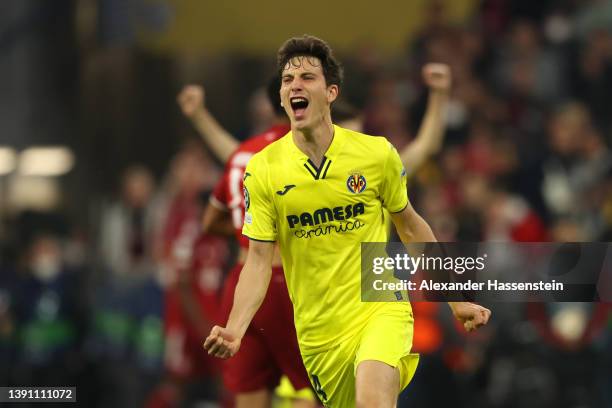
250	293
217	221
222	227
216	137
430	135
414	229
432	129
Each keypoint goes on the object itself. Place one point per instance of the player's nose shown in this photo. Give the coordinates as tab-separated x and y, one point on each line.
296	85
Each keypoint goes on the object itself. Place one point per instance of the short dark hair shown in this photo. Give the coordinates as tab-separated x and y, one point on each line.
310	46
274	84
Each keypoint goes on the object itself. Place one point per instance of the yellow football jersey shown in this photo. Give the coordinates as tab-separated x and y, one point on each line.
320	216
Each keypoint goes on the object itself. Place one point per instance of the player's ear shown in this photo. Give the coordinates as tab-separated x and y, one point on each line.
332	93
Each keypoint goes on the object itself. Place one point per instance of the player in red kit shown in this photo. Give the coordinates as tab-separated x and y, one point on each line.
270	348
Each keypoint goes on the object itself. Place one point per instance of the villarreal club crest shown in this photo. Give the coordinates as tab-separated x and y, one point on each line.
356	183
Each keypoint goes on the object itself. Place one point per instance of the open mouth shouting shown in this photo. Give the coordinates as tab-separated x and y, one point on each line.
299	105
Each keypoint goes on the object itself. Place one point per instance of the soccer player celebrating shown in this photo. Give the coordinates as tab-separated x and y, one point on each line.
319	192
255	370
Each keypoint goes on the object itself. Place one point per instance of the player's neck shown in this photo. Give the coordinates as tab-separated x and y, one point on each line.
315	141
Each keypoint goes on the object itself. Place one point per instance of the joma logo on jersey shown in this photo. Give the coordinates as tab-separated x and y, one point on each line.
356	183
322	215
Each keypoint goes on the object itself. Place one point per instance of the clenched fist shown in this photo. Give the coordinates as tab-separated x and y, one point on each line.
437	77
471	315
222	342
191	100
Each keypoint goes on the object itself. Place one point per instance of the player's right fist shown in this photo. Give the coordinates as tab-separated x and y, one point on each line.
191	100
222	343
437	77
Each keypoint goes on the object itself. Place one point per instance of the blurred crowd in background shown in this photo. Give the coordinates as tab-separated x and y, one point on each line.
102	269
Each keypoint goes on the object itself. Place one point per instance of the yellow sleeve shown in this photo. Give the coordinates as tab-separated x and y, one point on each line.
393	192
260	214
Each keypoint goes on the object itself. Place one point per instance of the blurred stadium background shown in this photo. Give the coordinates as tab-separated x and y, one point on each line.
94	153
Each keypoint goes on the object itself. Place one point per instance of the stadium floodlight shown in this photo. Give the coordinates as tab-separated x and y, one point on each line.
8	160
33	192
46	161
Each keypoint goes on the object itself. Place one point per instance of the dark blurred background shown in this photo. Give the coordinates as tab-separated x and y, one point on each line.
96	158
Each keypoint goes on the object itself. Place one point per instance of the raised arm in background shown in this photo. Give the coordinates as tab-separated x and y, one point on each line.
191	99
429	138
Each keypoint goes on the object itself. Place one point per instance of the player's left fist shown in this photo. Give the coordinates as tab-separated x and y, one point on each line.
437	77
471	315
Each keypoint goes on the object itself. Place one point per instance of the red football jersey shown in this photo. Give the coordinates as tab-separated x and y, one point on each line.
228	193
